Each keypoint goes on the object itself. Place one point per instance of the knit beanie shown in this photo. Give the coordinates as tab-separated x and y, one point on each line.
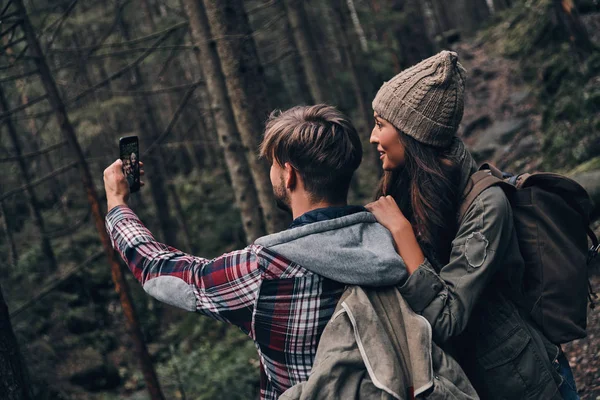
425	101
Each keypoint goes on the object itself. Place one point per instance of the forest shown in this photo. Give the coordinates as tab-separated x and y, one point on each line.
195	80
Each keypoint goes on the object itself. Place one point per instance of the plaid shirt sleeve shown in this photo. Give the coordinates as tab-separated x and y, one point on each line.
224	288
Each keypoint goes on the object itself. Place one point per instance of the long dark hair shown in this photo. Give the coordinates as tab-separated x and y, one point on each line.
426	190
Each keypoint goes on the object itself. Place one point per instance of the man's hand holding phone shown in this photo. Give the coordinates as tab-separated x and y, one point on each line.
116	185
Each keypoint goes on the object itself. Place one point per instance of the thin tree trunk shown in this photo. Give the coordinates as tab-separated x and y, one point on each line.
442	13
412	36
384	37
32	197
292	66
244	77
55	188
303	42
14	382
246	196
148	128
470	14
12	247
117	273
360	33
371	159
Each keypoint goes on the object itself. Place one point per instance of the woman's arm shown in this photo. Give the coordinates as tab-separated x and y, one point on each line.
479	250
389	215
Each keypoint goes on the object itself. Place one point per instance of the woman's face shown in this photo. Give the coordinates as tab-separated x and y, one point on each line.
387	139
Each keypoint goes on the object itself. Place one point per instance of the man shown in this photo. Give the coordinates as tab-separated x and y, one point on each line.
282	289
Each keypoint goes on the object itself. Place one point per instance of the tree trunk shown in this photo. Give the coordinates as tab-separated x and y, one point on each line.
568	17
411	36
303	42
244	77
442	15
117	273
246	196
360	33
14	382
155	161
384	38
292	67
371	163
468	15
34	204
12	247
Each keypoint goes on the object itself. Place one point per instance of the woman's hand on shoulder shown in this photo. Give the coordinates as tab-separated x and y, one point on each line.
388	214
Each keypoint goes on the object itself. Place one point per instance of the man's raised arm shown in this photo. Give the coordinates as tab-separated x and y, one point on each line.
224	288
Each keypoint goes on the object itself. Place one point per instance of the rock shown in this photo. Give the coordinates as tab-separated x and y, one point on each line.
484	152
525	147
90	371
503	131
480	123
519	97
489	74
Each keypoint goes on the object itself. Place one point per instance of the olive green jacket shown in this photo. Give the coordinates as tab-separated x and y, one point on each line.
469	303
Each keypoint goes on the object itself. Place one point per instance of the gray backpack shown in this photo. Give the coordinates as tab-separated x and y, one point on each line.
551	216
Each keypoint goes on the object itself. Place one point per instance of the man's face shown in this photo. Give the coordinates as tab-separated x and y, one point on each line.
282	197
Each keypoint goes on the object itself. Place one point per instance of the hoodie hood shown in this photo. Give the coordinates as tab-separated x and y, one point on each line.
354	249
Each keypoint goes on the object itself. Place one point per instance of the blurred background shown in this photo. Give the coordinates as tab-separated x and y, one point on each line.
196	80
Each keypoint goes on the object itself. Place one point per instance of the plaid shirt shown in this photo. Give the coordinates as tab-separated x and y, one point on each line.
282	306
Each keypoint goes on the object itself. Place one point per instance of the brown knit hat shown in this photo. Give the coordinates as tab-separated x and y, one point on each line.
426	100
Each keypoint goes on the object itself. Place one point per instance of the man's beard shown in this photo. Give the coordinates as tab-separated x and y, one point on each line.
282	199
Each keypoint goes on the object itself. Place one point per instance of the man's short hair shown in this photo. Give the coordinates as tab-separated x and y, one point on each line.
320	143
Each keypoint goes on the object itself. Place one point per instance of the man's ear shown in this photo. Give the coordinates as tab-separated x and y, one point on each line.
291	176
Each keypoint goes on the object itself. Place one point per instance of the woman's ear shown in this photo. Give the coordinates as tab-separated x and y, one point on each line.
291	176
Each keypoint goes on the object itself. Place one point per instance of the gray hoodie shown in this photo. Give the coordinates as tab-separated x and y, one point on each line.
354	250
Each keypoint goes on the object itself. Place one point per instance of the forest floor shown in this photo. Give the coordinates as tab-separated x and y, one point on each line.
502	123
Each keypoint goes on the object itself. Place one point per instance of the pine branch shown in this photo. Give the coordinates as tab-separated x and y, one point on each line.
15	60
62	20
127	43
34	153
10	28
39	181
128	67
18	76
22	107
122	52
55	283
176	115
58	233
11	44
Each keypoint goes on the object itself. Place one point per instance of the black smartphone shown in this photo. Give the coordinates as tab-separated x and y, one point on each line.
129	149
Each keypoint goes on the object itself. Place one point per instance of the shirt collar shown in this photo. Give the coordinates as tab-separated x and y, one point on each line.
324	214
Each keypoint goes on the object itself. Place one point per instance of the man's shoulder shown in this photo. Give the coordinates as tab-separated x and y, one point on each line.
275	265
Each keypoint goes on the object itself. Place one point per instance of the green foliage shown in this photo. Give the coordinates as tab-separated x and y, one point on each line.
566	86
211	360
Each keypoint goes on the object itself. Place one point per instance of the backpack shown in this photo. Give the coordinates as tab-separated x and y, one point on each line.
551	218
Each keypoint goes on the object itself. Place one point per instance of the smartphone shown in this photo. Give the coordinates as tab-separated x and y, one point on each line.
129	149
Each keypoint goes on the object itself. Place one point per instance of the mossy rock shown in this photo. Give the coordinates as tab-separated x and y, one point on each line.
591	165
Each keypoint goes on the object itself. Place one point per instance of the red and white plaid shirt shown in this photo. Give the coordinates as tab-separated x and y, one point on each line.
282	306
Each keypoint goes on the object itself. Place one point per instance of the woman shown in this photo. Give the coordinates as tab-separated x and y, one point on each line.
463	277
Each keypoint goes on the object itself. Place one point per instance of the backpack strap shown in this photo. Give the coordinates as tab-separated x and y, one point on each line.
478	182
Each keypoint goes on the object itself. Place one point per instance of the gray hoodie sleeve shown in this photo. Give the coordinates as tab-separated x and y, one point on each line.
447	299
